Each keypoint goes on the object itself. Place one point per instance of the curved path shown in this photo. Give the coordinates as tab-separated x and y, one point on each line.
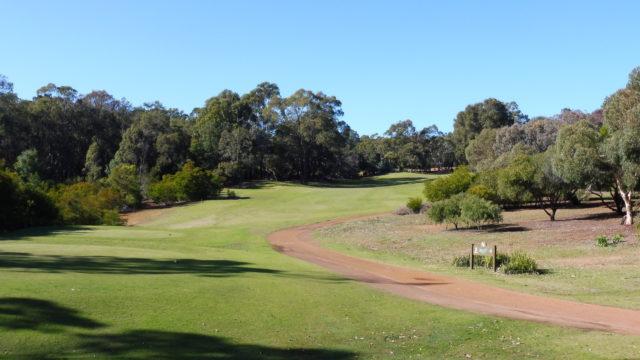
452	292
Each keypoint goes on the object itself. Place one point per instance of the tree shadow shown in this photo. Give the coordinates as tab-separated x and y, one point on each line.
126	266
505	228
369	182
40	315
163	345
49	317
26	262
42	231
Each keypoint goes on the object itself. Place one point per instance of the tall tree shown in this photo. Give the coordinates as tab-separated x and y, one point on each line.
488	114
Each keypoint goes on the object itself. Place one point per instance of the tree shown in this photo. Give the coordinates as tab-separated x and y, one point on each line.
531	178
465	209
621	147
488	114
310	139
126	180
445	187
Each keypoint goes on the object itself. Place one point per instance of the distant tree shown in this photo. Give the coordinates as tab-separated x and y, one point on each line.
445	187
126	180
27	166
530	178
488	114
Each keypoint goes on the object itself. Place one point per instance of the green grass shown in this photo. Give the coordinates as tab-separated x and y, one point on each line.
201	282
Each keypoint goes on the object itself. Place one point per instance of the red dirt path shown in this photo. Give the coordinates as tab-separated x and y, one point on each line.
452	292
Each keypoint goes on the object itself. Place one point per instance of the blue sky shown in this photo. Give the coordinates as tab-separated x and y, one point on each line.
385	60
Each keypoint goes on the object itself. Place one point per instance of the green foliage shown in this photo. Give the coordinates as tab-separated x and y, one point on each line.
483	192
488	114
415	204
27	166
602	241
443	188
125	179
520	263
23	205
87	204
465	209
164	191
190	183
481	261
617	239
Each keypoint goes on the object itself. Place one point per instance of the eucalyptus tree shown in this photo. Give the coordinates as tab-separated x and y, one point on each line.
490	113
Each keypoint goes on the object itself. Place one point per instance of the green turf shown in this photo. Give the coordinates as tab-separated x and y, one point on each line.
201	282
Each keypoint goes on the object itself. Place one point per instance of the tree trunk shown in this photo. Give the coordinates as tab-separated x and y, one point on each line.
628	204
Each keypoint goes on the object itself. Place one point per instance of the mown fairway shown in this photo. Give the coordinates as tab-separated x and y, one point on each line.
200	282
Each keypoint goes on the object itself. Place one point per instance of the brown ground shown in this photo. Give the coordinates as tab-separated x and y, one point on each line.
457	293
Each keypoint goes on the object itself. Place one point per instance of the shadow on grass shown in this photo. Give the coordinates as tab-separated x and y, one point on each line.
162	345
370	182
126	266
26	262
42	231
40	315
47	317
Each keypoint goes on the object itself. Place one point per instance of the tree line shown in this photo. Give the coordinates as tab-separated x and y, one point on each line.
91	155
546	161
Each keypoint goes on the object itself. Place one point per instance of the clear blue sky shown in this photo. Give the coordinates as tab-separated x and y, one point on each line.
385	60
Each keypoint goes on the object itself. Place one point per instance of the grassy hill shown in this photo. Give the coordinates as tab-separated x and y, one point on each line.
200	282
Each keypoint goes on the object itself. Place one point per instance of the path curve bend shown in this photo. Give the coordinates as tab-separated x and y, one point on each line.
452	292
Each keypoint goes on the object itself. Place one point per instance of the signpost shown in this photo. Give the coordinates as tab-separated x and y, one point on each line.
484	250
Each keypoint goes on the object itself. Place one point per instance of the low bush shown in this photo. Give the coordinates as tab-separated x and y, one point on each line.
189	183
403	210
481	261
415	204
602	241
520	263
516	263
87	204
617	239
465	209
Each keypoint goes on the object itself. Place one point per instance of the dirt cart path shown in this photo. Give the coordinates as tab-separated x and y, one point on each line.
452	292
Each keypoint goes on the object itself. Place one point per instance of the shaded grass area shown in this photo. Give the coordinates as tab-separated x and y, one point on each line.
200	282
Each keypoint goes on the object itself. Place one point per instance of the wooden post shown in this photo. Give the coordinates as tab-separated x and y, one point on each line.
495	258
471	258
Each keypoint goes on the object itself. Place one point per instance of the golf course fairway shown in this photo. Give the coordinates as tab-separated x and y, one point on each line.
200	281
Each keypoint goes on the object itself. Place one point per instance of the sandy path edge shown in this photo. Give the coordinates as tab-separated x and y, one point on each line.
452	292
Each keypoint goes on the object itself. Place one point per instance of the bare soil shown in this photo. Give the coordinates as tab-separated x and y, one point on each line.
468	295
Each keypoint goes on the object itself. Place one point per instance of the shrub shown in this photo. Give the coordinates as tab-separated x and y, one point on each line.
87	204
520	263
481	261
445	187
617	239
189	183
465	209
415	204
23	205
403	210
164	191
602	241
195	183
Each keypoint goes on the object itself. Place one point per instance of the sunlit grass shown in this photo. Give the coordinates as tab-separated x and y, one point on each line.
201	282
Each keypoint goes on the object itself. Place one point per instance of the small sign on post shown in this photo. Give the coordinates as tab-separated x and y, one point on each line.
484	250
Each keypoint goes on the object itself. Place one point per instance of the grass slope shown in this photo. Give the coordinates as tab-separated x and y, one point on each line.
200	282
